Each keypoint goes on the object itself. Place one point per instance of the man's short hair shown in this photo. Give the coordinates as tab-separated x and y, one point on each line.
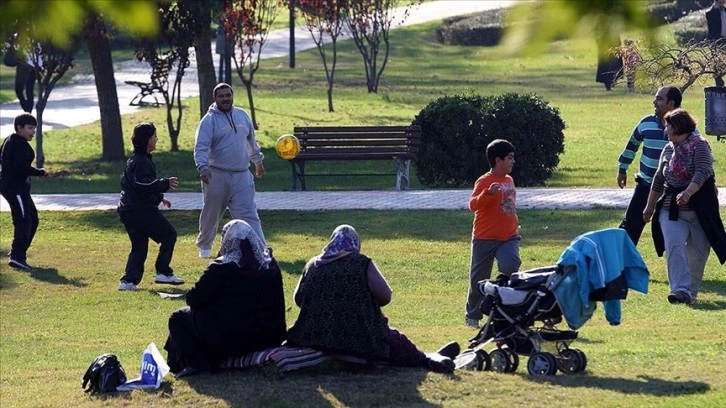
24	119
220	86
674	94
498	148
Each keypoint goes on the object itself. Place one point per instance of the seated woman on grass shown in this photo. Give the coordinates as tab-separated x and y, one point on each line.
340	295
236	307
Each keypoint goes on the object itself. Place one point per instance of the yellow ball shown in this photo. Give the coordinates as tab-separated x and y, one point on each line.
287	147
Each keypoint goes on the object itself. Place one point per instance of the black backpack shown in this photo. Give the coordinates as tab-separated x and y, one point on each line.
104	374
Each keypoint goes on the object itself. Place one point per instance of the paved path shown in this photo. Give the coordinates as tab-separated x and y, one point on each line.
527	198
77	103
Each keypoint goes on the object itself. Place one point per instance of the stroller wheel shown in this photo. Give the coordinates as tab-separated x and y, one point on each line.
485	363
513	360
583	359
569	361
541	364
500	360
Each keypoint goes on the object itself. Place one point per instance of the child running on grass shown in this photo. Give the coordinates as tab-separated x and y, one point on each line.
495	232
16	167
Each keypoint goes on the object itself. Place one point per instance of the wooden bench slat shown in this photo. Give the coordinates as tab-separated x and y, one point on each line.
342	143
314	144
354	129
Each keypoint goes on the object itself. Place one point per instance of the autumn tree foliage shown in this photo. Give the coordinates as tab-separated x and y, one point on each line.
247	24
169	52
325	20
369	24
50	63
692	63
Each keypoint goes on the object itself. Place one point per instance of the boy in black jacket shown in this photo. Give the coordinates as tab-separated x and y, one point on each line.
138	208
16	159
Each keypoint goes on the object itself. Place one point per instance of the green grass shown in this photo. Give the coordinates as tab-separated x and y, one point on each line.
419	71
56	319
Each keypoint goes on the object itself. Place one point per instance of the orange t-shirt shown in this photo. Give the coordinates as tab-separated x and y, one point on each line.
495	216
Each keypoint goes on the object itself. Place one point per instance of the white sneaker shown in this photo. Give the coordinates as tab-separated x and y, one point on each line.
168	279
123	285
205	253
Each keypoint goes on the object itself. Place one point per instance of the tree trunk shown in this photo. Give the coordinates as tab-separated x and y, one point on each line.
248	87
112	141
39	155
205	65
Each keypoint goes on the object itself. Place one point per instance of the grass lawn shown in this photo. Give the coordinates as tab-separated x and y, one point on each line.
56	319
419	71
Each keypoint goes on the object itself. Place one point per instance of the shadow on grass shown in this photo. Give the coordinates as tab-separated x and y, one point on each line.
50	275
643	385
166	390
292	268
324	387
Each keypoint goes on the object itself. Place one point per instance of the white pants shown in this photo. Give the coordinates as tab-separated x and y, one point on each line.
233	190
687	249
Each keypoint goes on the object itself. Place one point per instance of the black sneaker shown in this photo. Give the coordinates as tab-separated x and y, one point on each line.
19	264
680	297
450	350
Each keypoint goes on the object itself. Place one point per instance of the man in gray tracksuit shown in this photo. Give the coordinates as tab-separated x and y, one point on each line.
224	146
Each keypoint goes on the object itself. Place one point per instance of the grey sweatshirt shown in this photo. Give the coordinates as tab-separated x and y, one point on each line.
226	141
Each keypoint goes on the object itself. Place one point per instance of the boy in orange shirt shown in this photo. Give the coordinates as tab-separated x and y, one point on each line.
495	232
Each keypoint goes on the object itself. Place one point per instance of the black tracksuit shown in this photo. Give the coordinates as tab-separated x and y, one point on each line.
138	208
16	158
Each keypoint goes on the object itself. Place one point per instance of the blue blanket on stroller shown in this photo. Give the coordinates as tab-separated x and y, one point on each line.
599	257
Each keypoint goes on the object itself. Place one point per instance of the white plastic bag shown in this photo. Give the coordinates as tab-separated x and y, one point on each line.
153	370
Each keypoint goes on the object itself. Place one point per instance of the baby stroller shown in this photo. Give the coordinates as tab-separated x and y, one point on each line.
525	308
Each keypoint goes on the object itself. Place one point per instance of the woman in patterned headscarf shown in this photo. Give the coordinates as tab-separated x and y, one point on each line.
236	307
340	295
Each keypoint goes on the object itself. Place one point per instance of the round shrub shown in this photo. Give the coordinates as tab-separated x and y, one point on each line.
455	131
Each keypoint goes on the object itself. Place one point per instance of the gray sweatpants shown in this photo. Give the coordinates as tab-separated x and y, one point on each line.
233	190
687	250
483	253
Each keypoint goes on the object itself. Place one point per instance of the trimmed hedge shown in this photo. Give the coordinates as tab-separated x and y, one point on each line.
482	29
457	129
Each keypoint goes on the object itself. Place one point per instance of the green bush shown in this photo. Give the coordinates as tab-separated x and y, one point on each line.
484	29
691	28
456	130
668	11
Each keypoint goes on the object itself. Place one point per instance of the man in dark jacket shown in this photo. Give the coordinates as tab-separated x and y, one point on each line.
16	159
138	208
716	21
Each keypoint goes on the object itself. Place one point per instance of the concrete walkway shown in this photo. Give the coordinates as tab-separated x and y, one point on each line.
77	103
527	198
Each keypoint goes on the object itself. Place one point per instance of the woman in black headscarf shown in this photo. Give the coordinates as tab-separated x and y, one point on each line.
236	307
340	295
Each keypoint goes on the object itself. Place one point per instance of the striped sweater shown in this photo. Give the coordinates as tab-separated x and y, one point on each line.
650	132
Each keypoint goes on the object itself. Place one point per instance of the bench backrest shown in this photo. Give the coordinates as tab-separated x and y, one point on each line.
160	73
358	142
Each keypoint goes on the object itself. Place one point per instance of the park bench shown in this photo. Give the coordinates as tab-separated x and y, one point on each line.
159	83
397	143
